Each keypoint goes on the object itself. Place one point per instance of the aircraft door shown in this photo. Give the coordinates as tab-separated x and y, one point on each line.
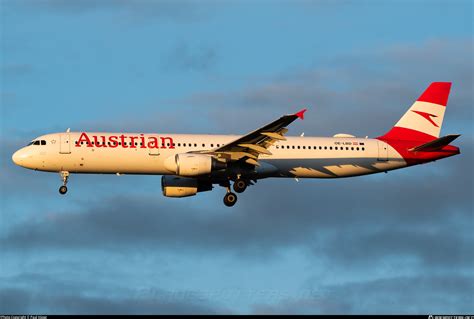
383	151
65	143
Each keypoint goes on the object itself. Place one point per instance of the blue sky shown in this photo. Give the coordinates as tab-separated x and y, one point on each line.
395	243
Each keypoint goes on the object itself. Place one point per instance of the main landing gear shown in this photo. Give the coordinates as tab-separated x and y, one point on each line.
239	187
230	199
64	177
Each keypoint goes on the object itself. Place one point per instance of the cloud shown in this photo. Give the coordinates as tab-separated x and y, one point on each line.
400	211
344	91
36	293
184	57
424	294
419	218
183	10
9	71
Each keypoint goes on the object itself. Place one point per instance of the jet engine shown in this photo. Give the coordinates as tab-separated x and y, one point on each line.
176	186
193	164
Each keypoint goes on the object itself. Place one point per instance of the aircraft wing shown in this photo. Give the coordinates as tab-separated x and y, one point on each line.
250	146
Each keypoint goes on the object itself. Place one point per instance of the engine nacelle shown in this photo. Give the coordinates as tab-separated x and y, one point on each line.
193	164
176	186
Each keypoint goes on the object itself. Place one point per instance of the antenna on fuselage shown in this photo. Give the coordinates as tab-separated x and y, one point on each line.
68	130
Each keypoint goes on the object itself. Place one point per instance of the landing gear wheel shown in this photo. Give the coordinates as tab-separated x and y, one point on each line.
64	177
62	190
230	199
240	185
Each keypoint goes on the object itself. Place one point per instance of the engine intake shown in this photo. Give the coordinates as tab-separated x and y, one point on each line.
176	186
193	164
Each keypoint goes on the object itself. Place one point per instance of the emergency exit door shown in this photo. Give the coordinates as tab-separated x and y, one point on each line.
65	143
383	151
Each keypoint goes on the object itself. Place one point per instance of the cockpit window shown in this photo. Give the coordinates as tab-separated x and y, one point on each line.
41	142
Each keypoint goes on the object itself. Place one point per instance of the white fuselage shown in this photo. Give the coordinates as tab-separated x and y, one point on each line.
306	157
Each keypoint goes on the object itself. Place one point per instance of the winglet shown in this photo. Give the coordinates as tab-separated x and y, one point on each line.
300	114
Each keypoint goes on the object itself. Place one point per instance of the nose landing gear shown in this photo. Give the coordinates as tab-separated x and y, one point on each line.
64	176
62	190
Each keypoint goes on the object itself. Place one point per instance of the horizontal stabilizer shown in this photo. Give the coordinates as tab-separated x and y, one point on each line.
436	144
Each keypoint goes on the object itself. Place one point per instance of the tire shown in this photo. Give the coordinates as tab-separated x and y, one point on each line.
230	199
62	190
239	185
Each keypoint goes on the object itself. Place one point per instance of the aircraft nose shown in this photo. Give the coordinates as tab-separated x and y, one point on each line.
18	157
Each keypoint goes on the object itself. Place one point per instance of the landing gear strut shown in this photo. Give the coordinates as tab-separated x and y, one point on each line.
230	198
64	177
240	185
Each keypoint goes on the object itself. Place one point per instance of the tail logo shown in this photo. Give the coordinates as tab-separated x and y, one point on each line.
427	116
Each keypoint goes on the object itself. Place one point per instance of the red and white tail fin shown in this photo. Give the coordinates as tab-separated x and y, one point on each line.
423	121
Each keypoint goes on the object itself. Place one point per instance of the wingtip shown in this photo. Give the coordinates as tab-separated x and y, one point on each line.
300	114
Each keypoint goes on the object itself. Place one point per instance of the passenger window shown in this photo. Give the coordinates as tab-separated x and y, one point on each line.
203	145
325	147
330	147
320	147
298	147
363	148
304	147
352	148
292	146
335	148
195	145
357	148
347	148
212	145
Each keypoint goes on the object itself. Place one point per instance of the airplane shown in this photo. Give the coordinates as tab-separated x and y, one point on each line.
194	163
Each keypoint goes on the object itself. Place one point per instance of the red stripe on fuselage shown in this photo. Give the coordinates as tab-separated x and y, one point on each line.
406	134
